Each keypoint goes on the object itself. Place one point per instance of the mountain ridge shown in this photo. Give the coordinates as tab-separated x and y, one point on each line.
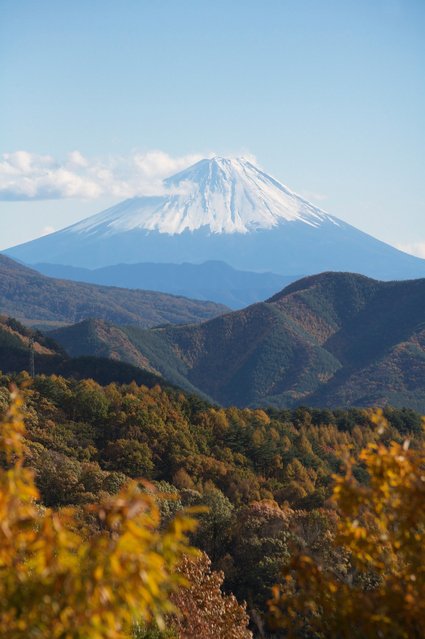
335	339
51	359
232	196
226	210
39	300
213	280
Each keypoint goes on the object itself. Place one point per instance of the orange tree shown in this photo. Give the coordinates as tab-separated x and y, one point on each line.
381	530
56	580
204	612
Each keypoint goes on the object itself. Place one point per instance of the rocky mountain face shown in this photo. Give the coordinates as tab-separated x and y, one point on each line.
228	210
334	339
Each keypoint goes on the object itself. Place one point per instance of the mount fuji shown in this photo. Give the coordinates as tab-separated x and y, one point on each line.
222	209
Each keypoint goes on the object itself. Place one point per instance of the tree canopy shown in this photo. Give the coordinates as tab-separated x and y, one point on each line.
59	580
377	587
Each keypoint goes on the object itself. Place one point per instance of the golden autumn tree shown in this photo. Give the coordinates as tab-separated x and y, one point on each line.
56	580
382	532
204	611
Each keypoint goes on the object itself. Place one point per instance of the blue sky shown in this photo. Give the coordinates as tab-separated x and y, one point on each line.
101	99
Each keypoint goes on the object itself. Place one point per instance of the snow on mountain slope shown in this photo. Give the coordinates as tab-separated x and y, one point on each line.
228	210
225	195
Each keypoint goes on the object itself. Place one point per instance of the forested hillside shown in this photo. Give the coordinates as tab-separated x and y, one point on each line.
50	358
41	301
335	339
265	475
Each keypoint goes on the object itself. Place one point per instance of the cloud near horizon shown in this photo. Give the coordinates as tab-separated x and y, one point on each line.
414	248
27	176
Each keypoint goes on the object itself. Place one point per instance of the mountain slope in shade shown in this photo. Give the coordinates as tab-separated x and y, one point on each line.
213	280
38	300
50	358
335	339
228	210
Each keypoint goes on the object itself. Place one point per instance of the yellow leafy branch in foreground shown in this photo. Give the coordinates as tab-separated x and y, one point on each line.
56	580
382	527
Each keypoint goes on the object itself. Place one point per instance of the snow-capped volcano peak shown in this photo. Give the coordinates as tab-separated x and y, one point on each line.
222	209
223	195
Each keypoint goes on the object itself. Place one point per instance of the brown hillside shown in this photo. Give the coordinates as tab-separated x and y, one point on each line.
336	339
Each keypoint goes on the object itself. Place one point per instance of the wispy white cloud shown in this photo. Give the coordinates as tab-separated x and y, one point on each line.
312	195
414	248
47	230
28	176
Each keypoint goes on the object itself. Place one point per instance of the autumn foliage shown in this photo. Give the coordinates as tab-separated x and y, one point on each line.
58	581
205	613
378	588
265	477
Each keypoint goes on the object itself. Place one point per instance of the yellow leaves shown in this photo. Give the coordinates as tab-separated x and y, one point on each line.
11	438
382	529
204	612
98	573
59	582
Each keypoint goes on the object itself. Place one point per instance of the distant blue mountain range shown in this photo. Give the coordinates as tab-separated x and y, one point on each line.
214	280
